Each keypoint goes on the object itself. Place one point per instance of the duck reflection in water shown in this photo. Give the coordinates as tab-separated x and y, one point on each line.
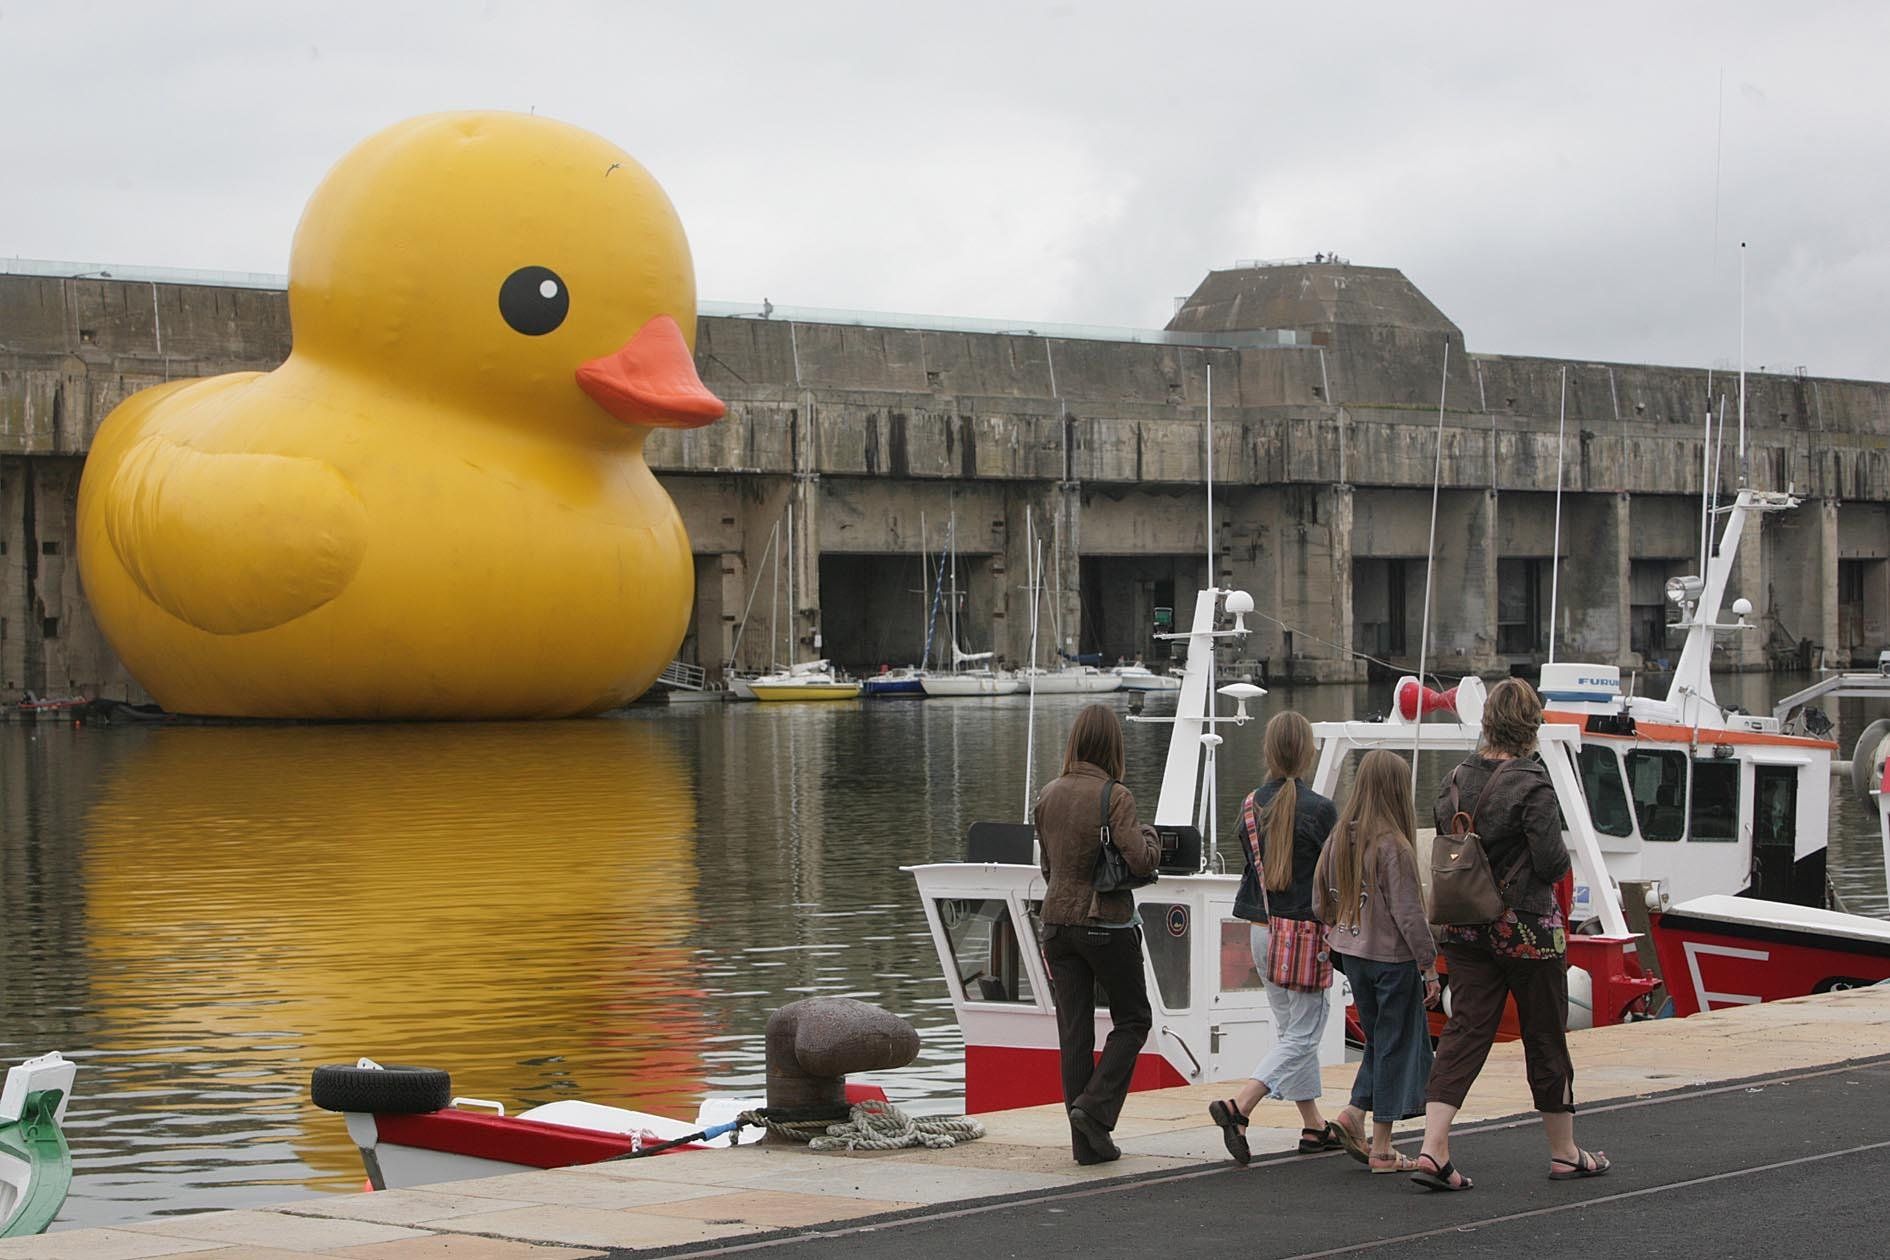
510	902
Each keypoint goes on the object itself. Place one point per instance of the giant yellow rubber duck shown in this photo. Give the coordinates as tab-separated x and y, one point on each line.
437	507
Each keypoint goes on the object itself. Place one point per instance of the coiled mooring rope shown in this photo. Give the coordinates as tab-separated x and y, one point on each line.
872	1126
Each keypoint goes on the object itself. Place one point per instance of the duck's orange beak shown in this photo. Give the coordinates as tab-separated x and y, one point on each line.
652	380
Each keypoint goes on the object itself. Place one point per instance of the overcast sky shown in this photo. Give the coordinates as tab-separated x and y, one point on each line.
1572	181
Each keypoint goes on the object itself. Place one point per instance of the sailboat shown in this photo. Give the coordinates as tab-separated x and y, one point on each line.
1073	676
808	680
971	673
909	680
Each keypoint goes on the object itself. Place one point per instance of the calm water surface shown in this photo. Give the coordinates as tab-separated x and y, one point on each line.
605	909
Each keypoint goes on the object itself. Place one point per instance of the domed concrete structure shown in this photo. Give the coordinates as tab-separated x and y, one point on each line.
1328	304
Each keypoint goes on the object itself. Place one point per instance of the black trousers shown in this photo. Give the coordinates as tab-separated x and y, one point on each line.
1080	958
1481	984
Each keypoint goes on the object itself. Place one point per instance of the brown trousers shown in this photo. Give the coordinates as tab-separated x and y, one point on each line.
1481	982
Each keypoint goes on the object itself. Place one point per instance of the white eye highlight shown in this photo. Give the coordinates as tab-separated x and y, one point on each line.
548	288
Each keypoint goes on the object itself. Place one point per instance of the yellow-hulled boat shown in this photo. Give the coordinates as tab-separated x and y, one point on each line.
814	680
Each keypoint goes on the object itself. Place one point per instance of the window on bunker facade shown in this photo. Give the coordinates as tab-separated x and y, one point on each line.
1658	781
985	949
1715	811
1601	784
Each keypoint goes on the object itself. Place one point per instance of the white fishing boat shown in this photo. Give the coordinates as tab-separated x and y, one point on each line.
35	1163
1663	801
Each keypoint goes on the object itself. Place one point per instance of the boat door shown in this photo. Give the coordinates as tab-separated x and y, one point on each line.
1781	871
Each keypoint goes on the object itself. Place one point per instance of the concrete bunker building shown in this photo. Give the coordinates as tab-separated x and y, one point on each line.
1326	379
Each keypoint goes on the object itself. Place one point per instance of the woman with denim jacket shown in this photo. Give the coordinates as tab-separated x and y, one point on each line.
1284	822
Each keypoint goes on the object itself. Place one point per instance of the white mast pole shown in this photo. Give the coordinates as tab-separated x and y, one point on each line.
925	594
1033	575
1555	550
1706	478
1742	365
1213	583
1430	570
793	630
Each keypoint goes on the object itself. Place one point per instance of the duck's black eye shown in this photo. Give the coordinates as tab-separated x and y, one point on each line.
534	300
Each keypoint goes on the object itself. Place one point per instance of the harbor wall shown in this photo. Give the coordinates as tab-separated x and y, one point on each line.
1327	435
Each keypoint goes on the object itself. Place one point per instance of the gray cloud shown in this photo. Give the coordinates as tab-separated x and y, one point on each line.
1553	178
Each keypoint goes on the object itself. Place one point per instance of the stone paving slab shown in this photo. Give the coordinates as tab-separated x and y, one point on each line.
675	1201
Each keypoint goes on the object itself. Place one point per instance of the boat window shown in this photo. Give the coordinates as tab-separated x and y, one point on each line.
1168	932
1601	784
1237	970
1715	800
1659	783
984	947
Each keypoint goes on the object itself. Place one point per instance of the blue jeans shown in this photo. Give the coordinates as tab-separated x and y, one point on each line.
1397	1060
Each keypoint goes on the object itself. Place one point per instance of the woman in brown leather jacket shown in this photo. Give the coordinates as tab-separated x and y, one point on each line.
1522	956
1092	938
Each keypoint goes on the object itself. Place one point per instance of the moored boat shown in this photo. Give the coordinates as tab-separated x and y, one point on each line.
1069	680
811	680
1139	677
412	1131
907	680
35	1163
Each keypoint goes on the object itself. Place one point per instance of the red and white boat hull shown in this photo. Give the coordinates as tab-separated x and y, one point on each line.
1722	951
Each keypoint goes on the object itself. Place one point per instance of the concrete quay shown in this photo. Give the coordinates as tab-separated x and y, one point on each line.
877	429
1760	1122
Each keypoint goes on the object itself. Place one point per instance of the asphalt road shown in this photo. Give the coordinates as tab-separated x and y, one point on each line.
1784	1166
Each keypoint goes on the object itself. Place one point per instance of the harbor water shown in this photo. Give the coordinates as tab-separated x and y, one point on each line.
603	909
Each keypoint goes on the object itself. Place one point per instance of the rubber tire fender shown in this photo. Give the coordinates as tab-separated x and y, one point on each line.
389	1090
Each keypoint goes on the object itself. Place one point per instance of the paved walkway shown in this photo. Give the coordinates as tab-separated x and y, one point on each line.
1791	1154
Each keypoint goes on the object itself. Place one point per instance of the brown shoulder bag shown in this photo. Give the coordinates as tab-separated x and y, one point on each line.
1463	888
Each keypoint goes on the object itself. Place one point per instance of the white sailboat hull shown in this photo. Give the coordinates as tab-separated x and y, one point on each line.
947	685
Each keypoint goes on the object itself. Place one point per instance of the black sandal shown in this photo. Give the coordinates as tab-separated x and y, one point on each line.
1584	1164
1440	1179
1315	1141
1225	1113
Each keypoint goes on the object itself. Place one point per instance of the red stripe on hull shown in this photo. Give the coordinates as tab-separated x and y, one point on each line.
506	1139
1000	1078
1756	965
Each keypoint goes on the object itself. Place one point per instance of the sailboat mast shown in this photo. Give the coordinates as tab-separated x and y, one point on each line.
924	598
790	586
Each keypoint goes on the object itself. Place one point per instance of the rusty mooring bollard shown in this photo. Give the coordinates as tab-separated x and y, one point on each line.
814	1043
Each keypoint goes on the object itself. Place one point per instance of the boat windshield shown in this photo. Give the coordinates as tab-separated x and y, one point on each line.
1601	784
1659	780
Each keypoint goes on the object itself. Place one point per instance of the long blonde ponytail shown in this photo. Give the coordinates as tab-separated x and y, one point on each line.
1287	749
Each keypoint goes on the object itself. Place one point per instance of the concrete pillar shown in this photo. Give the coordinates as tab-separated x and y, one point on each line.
1746	649
13	592
1290	547
1826	582
1787	567
1593	586
1463	595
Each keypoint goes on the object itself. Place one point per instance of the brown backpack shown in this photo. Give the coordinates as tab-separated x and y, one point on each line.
1464	892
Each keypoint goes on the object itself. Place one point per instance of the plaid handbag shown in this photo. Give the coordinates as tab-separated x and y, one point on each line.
1297	954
